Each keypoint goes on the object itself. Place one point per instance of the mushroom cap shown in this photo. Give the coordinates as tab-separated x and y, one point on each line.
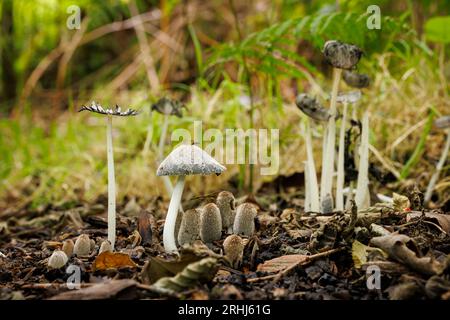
189	160
312	108
442	122
341	55
95	107
356	80
349	97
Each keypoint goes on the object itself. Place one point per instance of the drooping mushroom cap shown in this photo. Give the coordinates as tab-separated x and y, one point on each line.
169	107
443	122
349	97
311	107
189	160
341	55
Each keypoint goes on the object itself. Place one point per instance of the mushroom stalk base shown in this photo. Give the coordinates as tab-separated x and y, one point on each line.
171	218
111	185
439	167
340	171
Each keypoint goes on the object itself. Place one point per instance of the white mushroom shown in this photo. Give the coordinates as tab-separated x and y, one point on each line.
183	161
362	197
349	97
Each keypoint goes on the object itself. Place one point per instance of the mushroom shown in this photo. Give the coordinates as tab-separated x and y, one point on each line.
362	197
105	247
233	247
182	161
96	108
189	227
227	206
349	97
57	260
441	123
312	108
67	247
244	222
340	56
356	80
210	223
82	246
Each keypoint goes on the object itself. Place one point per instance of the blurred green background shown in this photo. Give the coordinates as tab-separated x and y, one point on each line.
211	55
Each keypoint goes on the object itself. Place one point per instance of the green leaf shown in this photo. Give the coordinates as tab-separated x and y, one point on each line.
436	29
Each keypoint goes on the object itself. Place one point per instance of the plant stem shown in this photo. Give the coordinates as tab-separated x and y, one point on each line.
111	185
340	170
307	174
312	177
171	217
327	187
439	167
363	168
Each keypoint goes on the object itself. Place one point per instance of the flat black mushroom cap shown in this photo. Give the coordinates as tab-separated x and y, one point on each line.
189	160
96	108
341	55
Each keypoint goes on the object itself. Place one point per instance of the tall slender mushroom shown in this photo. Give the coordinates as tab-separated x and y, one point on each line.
96	108
183	161
341	56
313	109
441	123
362	197
349	97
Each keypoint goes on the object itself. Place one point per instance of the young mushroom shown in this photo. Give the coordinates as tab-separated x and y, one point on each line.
67	247
96	108
57	260
244	222
105	247
349	97
189	227
227	206
233	247
340	56
210	223
182	161
441	123
82	246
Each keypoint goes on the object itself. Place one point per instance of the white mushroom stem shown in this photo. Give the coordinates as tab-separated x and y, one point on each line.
307	187
361	198
311	172
340	167
439	167
328	171
149	137
111	185
171	217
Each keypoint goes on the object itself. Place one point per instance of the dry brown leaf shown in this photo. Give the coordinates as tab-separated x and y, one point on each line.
112	260
403	249
282	263
99	291
442	219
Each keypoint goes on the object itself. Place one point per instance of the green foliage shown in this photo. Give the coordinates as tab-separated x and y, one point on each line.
437	29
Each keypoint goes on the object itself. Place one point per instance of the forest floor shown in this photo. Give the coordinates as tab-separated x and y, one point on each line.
390	251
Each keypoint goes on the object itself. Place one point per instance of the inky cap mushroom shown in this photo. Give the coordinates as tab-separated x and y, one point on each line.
184	160
341	55
349	97
210	223
189	227
356	80
169	107
312	108
244	222
234	250
227	206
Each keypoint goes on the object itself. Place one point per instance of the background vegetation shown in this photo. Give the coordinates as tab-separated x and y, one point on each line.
214	56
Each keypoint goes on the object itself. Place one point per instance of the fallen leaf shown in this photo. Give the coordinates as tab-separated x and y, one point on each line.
99	291
360	253
443	220
404	250
282	263
193	274
112	260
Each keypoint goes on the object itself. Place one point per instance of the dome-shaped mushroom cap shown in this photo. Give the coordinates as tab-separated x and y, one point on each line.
189	160
442	122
